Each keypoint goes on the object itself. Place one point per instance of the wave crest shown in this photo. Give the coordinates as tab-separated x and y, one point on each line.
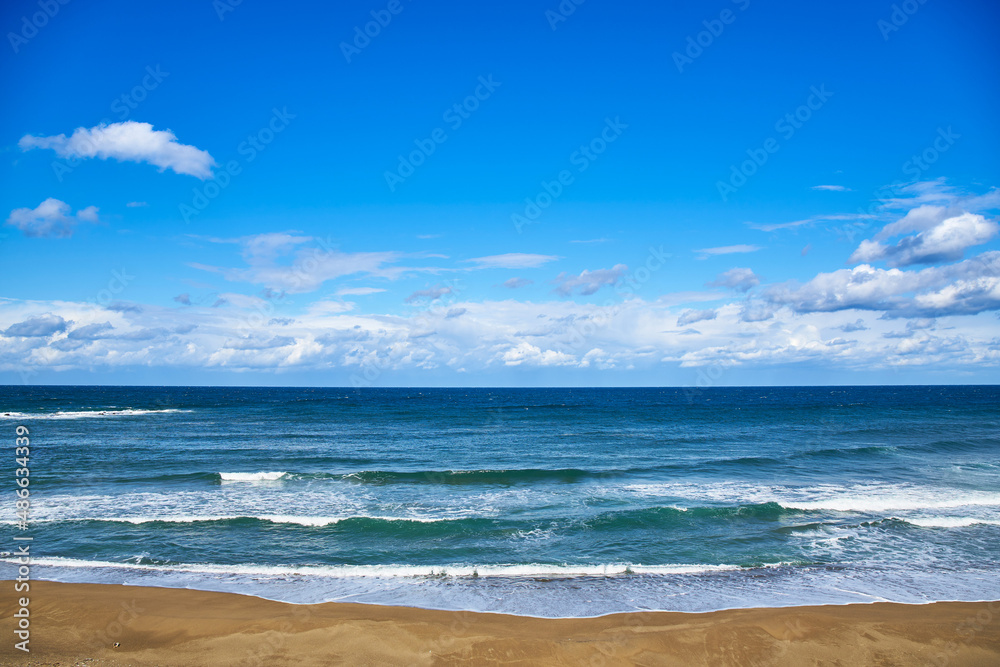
86	414
251	476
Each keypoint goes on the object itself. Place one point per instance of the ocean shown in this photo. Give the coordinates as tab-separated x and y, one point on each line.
541	502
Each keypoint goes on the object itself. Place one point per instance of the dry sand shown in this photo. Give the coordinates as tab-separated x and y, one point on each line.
79	624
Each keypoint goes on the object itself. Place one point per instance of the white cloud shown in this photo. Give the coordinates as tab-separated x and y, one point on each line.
818	219
329	306
963	297
258	341
923	197
39	326
431	294
681	298
968	287
857	325
941	240
928	203
756	311
691	316
526	353
916	220
124	307
136	204
705	253
512	260
514	283
297	263
589	282
831	188
815	322
922	192
128	141
51	218
88	214
358	291
93	331
480	337
739	279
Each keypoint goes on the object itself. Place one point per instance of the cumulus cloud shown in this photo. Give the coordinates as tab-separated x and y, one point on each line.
512	260
691	316
588	282
39	326
916	220
923	197
863	287
857	325
756	311
527	353
940	240
51	218
739	279
968	287
183	299
927	203
705	253
963	297
91	331
912	327
514	283
486	337
129	141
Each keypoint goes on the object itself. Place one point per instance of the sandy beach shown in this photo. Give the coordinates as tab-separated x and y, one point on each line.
123	625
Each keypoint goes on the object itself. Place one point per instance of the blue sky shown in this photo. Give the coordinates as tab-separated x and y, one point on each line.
499	193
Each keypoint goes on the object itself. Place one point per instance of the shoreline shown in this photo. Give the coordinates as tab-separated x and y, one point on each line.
173	626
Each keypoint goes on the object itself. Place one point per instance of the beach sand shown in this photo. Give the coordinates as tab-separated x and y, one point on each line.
80	624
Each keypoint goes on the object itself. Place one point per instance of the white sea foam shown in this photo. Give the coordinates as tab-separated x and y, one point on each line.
251	476
395	571
869	498
273	518
528	590
949	521
85	414
914	500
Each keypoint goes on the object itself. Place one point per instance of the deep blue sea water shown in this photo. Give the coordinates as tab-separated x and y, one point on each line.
548	502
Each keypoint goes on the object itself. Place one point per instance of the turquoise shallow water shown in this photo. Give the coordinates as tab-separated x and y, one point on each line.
553	502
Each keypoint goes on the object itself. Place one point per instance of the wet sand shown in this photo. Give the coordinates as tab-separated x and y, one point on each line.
91	624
